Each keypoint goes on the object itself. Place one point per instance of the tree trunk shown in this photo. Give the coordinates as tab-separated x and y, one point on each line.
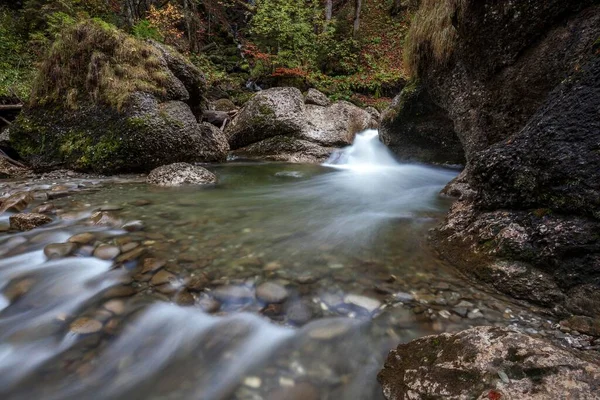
357	7
328	10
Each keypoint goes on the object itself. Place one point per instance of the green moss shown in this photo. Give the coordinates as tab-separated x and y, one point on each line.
265	109
94	61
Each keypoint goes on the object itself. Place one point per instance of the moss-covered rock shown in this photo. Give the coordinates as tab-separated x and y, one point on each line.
104	101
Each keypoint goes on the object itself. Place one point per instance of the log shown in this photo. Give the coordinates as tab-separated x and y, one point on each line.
11	107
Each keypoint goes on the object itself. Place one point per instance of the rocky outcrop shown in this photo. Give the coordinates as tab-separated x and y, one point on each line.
277	125
491	69
519	84
487	363
180	174
534	203
416	129
132	107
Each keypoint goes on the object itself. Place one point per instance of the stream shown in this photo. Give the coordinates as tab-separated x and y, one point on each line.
282	281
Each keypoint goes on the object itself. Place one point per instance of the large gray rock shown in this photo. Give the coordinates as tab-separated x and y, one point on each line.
276	124
180	174
488	363
313	96
132	107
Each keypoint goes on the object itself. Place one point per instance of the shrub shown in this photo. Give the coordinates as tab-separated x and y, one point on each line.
145	30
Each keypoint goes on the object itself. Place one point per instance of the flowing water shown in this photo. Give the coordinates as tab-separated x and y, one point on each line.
280	282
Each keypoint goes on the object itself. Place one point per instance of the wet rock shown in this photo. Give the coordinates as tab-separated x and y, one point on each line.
197	283
313	96
28	221
18	288
152	264
209	305
131	255
180	174
403	297
127	244
82	238
299	313
233	294
47	208
106	218
277	125
184	298
300	391
85	326
116	307
329	329
582	324
141	203
270	292
16	202
476	364
363	302
106	252
110	207
133	226
119	291
59	250
163	277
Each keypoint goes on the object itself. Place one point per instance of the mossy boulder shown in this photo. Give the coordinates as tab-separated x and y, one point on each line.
104	101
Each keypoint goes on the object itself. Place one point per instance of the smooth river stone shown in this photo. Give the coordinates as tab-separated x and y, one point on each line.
17	202
106	252
59	250
82	238
366	303
233	294
301	391
329	330
270	292
162	277
47	208
133	226
85	325
152	264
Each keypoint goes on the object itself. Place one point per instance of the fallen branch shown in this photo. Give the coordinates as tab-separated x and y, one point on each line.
10	107
7	122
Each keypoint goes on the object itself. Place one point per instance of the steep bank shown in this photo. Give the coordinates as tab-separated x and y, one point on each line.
520	84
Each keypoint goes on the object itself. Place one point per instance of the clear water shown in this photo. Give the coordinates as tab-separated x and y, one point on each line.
347	240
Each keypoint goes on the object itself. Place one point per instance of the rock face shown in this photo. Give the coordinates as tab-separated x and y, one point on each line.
417	129
520	84
277	125
180	174
487	363
136	109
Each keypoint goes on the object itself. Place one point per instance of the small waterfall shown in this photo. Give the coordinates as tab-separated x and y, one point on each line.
367	152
